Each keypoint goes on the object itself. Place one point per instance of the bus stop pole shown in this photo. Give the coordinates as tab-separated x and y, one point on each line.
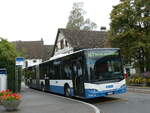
18	77
18	73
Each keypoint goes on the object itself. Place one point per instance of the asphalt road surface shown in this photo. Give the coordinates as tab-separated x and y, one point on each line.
40	102
131	102
34	101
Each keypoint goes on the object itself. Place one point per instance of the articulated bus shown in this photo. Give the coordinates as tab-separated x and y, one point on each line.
86	73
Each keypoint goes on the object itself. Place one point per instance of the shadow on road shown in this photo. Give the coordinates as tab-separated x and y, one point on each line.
98	100
101	100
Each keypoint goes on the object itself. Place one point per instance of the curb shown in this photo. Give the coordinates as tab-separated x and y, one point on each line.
97	110
136	87
139	89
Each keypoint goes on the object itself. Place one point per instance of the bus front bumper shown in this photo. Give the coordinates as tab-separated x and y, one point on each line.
93	93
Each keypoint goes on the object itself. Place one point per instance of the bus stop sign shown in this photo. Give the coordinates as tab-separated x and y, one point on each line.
19	61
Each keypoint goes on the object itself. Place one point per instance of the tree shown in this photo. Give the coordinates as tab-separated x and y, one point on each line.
130	31
77	21
7	60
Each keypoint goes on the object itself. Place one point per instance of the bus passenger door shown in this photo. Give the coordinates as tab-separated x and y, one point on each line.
77	78
47	86
37	77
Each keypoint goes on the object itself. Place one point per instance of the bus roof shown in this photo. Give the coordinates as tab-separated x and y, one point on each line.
62	55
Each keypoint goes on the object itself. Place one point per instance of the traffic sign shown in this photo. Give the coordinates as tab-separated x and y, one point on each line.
19	61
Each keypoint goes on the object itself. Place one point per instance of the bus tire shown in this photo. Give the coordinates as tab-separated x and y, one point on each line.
67	91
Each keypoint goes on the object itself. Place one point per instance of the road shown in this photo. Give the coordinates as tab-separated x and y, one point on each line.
134	101
40	102
131	102
35	101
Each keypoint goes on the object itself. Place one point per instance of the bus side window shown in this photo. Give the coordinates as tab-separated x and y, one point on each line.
79	69
57	70
52	71
66	71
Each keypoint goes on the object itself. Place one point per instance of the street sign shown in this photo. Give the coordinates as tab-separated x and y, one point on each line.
19	61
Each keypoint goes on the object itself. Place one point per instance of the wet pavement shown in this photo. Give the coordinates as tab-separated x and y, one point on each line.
41	102
130	102
136	100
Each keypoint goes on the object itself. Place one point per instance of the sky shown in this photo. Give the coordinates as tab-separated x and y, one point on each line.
31	20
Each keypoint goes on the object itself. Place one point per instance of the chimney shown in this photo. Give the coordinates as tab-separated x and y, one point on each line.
103	28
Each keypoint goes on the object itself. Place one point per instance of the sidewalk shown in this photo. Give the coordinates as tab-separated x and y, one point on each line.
139	89
40	102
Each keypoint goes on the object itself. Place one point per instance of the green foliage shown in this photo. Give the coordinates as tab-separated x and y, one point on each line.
77	21
138	80
130	31
7	51
28	73
7	60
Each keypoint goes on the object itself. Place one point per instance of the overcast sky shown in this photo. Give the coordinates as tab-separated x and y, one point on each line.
35	19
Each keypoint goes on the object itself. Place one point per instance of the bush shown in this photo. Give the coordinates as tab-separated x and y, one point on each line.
139	80
136	79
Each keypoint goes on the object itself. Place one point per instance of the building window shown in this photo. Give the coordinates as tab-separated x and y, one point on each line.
34	61
62	44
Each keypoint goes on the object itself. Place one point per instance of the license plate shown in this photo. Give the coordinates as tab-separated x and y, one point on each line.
109	86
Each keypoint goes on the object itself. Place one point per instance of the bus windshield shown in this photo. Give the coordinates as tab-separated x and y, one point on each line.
104	65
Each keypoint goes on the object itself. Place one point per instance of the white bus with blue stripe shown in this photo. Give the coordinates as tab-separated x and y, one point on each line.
87	73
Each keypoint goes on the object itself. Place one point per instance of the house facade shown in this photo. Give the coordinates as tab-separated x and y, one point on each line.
68	41
34	52
62	45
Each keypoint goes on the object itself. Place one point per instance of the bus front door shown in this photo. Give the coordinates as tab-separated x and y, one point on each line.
78	83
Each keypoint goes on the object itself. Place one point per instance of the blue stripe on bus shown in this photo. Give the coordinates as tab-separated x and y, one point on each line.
89	93
59	89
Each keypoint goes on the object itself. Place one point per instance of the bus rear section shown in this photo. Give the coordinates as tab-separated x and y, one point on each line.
104	73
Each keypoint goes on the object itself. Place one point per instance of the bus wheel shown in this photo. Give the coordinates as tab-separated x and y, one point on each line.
67	91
